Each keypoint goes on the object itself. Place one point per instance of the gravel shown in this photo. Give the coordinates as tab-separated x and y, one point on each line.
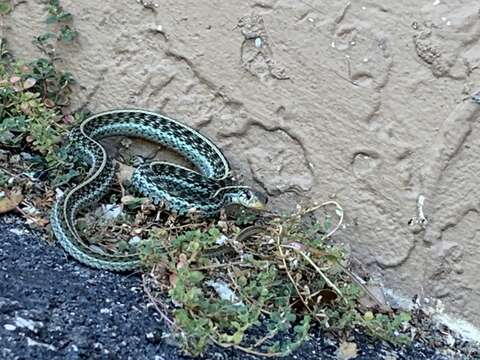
52	307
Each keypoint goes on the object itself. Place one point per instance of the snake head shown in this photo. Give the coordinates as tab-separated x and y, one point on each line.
246	197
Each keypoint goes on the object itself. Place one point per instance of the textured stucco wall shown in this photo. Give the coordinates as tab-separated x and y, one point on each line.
365	100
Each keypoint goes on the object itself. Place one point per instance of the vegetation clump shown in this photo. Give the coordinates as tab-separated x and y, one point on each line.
34	120
62	30
260	289
33	95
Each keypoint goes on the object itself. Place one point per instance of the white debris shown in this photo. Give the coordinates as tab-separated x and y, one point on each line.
9	327
420	219
111	211
27	323
464	328
450	340
105	311
31	342
58	193
134	240
222	239
224	291
31	210
30	175
19	231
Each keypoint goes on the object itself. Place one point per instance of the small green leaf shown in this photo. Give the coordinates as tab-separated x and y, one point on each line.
67	34
237	337
64	17
405	317
195	277
51	19
5	7
368	316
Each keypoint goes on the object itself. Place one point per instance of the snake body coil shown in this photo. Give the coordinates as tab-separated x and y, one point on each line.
181	189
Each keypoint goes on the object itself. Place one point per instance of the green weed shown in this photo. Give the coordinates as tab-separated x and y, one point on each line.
32	97
62	29
261	293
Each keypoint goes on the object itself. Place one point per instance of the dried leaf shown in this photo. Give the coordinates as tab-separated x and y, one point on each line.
68	119
26	109
182	261
347	350
15	79
129	200
10	201
223	225
326	296
374	298
30	82
49	103
39	221
172	279
147	206
124	173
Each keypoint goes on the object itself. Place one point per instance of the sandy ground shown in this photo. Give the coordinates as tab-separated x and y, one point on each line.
366	102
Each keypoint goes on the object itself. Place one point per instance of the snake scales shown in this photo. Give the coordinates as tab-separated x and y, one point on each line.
180	189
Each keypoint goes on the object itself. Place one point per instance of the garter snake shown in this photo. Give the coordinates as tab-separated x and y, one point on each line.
180	189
